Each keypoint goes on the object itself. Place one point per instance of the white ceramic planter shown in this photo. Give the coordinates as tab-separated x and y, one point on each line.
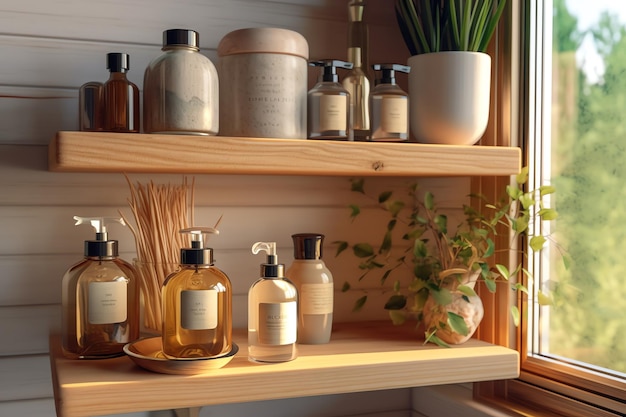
449	93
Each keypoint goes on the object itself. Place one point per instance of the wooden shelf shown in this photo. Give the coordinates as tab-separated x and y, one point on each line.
120	152
361	357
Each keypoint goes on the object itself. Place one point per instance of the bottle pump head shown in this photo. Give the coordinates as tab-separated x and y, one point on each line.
389	72
102	246
198	253
270	269
329	70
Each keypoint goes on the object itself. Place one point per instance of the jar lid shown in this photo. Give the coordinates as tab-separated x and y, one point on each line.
184	37
264	40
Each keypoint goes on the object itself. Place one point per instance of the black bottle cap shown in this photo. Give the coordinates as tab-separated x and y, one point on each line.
101	248
185	37
389	72
118	62
307	245
329	72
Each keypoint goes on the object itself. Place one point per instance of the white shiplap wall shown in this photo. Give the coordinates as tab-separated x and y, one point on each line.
47	50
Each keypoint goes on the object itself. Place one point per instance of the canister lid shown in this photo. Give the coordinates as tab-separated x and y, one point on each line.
264	40
184	37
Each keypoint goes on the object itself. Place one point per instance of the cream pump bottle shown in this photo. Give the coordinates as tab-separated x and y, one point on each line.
328	104
272	311
314	283
197	303
100	298
389	106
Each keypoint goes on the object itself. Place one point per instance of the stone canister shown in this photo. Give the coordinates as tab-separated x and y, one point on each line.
263	83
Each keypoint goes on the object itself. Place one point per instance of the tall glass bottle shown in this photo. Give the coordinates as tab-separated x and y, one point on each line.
314	282
100	298
358	85
121	97
197	304
272	311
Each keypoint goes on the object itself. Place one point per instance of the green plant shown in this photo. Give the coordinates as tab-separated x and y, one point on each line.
442	261
448	25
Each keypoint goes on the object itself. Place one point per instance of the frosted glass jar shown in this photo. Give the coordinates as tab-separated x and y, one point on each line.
181	88
263	83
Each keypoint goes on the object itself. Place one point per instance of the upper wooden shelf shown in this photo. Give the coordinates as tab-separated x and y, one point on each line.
121	152
360	357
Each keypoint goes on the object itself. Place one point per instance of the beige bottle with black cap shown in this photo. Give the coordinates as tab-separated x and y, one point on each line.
314	282
197	303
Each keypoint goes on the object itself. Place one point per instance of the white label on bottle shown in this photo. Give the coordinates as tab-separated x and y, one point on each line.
316	298
333	113
107	302
278	323
394	115
198	309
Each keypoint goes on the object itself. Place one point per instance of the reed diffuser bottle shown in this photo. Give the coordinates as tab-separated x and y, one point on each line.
272	311
197	303
100	298
121	97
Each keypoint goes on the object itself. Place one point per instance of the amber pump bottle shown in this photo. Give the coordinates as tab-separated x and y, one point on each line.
121	97
197	303
100	298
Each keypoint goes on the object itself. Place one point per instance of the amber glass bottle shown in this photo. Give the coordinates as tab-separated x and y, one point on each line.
197	304
121	97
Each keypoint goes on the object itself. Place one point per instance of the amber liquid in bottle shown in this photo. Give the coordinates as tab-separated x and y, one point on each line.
197	313
121	97
100	308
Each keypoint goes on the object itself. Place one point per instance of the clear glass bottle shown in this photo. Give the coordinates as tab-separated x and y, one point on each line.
197	304
272	311
390	106
121	97
181	88
91	107
100	298
328	104
358	85
314	283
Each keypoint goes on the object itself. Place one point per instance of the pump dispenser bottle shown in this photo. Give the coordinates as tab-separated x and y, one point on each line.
100	298
328	104
390	105
272	311
121	97
197	303
314	283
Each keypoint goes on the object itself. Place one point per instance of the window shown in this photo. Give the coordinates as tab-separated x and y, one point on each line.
572	125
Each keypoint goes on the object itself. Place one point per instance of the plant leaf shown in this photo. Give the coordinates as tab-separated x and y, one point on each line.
515	315
385	246
522	177
504	271
358	304
384	196
395	302
346	286
357	185
341	246
442	296
442	223
363	250
491	284
469	291
537	242
429	200
546	189
457	324
548	214
354	211
397	317
395	207
419	249
543	299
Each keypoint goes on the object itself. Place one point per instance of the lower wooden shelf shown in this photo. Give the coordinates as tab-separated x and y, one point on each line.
360	357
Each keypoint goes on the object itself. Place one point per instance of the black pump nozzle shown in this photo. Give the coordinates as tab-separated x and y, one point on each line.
389	72
329	72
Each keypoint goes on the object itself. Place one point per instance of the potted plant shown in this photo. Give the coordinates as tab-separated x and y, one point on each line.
437	267
449	82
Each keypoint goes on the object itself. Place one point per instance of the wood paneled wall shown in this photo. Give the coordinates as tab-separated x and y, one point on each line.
48	49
